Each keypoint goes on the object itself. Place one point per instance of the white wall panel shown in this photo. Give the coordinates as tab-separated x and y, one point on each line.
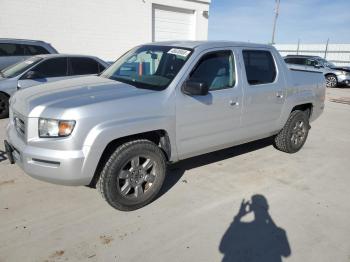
105	28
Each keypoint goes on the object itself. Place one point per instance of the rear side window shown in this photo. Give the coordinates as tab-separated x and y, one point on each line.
36	50
11	49
83	66
216	69
54	67
259	66
295	61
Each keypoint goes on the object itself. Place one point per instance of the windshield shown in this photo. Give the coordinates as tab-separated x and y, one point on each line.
151	67
327	63
20	67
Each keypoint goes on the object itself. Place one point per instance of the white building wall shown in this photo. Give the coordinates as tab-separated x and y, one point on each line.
337	53
105	28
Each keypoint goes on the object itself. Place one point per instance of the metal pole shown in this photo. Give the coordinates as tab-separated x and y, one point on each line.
277	8
326	50
298	46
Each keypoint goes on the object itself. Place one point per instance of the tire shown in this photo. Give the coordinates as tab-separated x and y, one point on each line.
133	175
294	134
4	106
331	80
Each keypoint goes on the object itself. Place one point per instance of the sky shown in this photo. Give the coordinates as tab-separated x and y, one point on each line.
311	21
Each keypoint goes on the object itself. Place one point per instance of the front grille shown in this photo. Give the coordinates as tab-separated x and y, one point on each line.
20	125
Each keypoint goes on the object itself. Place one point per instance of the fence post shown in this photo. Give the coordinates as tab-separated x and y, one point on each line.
326	50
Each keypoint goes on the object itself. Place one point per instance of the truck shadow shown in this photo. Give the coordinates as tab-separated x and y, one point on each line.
259	240
3	156
176	171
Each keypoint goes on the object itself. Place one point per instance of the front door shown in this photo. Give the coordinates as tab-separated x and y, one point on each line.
264	93
206	123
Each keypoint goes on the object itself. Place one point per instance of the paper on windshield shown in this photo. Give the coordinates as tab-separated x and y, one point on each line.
179	52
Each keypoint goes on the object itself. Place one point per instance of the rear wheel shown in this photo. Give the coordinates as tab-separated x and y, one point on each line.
293	135
331	80
4	106
133	175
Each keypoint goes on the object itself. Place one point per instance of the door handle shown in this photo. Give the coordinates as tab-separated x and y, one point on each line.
234	103
279	94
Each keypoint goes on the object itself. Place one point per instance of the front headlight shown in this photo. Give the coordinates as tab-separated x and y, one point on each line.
55	128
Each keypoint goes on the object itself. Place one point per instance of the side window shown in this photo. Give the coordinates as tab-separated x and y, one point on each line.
35	50
83	66
216	69
54	67
259	66
11	50
310	62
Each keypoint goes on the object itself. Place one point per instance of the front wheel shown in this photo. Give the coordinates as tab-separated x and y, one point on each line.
293	135
331	80
133	175
4	106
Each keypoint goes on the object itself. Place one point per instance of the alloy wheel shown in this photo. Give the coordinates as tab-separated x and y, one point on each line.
299	133
136	177
331	81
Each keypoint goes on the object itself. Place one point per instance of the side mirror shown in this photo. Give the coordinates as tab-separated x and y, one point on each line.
317	65
32	75
195	88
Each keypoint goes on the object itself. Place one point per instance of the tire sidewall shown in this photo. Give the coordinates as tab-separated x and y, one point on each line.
117	162
5	113
300	116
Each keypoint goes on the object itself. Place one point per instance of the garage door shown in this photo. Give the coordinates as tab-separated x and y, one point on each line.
171	23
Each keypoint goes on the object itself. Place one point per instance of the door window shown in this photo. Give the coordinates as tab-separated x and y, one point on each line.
216	69
259	66
36	50
83	66
11	50
54	67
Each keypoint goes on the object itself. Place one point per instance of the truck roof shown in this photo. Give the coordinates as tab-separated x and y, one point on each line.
209	44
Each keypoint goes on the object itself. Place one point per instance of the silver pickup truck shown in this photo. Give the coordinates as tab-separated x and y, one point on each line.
159	103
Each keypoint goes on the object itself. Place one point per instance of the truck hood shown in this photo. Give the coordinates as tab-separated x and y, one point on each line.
71	93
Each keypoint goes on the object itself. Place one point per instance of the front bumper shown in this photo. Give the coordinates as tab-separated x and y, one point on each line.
54	166
344	79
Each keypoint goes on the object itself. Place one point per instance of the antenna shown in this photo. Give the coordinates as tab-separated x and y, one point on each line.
277	9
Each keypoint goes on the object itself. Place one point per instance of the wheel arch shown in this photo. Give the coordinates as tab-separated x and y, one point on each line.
306	107
6	94
160	137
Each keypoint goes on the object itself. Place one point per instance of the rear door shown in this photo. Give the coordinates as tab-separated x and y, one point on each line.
50	70
264	92
206	123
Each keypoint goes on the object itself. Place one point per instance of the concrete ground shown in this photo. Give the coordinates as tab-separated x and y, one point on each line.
307	193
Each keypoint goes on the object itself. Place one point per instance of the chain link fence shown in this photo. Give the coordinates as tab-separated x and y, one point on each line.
339	54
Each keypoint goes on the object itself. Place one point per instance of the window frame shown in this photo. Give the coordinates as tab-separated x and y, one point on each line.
205	53
274	63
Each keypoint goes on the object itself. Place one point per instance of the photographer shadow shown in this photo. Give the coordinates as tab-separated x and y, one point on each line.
257	241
